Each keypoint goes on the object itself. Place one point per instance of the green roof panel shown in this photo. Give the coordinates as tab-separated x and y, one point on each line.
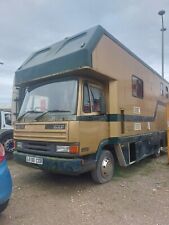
72	53
69	54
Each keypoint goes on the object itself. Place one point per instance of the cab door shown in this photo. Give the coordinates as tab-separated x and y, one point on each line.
93	120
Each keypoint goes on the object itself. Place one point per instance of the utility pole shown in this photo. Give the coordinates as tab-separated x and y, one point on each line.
161	13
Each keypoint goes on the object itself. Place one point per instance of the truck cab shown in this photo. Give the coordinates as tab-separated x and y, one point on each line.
57	127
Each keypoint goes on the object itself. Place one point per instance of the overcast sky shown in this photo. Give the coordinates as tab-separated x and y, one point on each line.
29	25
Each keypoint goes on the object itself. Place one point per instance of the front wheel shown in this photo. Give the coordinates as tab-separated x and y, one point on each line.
104	170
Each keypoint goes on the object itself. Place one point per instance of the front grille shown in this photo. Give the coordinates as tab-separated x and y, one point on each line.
39	148
43	149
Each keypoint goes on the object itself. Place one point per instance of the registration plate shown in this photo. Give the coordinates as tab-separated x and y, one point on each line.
34	160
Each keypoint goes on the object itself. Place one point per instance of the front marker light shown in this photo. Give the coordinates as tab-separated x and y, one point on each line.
74	149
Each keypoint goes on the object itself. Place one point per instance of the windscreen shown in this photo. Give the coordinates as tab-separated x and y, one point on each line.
58	97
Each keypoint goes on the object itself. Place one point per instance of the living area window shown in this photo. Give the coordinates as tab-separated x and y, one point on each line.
137	87
161	89
166	92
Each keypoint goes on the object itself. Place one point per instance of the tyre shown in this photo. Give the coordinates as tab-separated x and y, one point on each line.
3	206
104	170
8	144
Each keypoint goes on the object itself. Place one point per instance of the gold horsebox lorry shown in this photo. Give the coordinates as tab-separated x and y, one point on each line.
86	102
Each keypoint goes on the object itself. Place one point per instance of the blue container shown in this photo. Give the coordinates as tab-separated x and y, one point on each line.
5	185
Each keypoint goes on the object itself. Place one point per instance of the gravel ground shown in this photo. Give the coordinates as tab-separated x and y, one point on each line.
137	195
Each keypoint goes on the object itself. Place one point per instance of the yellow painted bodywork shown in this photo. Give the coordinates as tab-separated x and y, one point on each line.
36	131
117	64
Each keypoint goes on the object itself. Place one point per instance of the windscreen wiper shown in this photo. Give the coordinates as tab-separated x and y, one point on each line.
30	111
49	111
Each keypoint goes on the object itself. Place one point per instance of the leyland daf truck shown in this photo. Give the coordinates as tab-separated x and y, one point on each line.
86	103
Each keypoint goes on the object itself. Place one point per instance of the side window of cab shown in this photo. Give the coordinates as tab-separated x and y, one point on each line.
93	99
86	99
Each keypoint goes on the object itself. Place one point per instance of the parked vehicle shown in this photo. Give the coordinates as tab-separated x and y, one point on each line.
85	103
6	131
5	181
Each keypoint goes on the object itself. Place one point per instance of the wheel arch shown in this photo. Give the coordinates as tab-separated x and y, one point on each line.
106	145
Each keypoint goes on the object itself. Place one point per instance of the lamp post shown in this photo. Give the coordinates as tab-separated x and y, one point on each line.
161	13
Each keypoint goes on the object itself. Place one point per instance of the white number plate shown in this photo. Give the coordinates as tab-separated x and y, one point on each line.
34	160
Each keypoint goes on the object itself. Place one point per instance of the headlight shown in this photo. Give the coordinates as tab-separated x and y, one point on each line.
73	149
62	148
19	144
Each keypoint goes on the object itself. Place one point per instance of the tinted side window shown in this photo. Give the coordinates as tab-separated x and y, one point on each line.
166	89
137	87
86	99
161	89
96	98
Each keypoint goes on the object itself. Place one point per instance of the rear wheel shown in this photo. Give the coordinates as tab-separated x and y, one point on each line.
104	170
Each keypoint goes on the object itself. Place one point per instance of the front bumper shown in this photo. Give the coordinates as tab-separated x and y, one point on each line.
5	183
58	165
